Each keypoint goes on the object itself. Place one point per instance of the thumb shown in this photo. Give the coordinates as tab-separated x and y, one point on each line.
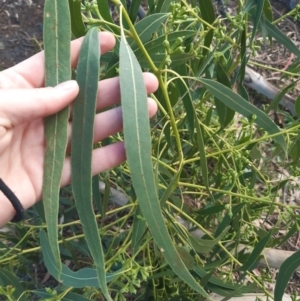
22	105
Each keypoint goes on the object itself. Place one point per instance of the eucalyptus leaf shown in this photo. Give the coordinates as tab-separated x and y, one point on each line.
138	151
163	6
203	162
77	26
9	279
68	297
74	297
206	245
268	10
57	37
84	111
228	218
225	113
257	250
286	270
208	14
104	10
228	294
186	257
183	85
96	193
133	9
258	13
214	280
156	45
294	151
176	59
240	105
145	29
148	26
86	277
139	228
281	38
297	106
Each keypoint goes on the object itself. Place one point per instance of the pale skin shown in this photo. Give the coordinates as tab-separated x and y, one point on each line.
24	102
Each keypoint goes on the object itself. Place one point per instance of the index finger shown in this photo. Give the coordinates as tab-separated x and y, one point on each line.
31	72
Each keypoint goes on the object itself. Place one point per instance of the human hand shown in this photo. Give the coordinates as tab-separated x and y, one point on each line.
24	102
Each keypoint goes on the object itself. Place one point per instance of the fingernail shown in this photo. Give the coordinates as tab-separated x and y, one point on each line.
68	85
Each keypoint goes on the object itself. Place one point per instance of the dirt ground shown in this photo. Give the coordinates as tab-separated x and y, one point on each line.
20	30
21	37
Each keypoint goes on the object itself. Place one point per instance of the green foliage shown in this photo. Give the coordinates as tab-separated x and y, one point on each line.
197	176
285	272
82	146
57	36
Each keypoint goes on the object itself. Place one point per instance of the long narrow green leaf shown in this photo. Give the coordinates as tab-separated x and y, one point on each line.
268	10
84	111
170	188
203	161
186	257
104	10
258	13
79	279
206	245
77	26
240	105
285	273
74	297
156	45
96	193
57	37
225	113
145	30
186	97
139	228
134	8
281	38
148	26
163	6
138	150
208	14
247	266
214	280
177	59
228	294
68	297
294	151
276	101
193	124
7	278
105	200
227	219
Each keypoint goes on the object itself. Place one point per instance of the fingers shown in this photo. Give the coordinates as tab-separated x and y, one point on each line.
31	72
23	105
110	122
109	90
107	43
104	158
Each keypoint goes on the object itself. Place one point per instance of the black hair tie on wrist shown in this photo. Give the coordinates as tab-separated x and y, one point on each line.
14	201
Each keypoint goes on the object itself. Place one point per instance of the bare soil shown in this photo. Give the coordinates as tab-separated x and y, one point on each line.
20	30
